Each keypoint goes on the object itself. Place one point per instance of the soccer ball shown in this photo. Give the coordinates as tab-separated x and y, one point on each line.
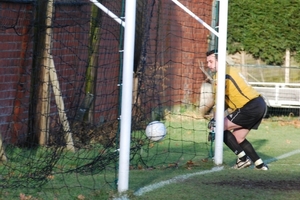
156	131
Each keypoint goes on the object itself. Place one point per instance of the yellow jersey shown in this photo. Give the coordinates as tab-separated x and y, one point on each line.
237	90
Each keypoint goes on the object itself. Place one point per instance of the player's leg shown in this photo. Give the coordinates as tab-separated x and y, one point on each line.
231	141
238	143
240	135
250	151
254	110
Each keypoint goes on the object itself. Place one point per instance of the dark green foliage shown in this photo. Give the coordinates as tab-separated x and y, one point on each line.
264	29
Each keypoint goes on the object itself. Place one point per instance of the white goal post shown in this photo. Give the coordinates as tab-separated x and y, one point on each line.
126	103
222	43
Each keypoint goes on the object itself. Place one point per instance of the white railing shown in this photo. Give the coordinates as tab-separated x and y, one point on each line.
281	95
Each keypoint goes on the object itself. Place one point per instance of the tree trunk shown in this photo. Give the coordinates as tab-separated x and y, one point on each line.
91	72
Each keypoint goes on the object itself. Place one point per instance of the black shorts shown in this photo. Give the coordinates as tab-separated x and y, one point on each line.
250	115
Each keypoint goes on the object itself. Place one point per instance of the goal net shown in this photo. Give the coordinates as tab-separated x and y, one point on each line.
61	87
62	68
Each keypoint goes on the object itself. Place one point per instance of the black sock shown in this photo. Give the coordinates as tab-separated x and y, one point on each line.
248	148
260	166
231	142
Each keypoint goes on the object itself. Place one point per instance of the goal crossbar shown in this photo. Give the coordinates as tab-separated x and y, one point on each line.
196	17
107	11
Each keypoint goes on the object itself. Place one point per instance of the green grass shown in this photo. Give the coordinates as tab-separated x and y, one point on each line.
278	183
275	137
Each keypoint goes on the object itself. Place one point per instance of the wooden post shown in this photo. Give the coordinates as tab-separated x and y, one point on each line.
49	76
2	152
60	106
287	66
44	102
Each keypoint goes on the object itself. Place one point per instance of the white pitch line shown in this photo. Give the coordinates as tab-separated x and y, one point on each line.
176	179
180	178
283	156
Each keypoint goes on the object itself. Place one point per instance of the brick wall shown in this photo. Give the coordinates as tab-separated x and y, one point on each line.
181	43
176	44
15	62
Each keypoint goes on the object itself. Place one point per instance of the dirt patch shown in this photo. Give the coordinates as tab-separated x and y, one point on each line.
282	185
295	123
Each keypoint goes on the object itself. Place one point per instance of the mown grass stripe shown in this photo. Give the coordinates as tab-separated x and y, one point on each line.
180	178
176	179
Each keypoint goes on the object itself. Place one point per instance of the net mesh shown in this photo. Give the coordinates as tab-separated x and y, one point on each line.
61	87
62	68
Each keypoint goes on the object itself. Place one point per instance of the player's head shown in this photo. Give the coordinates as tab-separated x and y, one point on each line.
212	60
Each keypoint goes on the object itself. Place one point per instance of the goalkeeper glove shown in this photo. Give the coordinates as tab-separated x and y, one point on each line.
211	124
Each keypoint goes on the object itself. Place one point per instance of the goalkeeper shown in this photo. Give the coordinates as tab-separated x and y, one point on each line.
248	109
